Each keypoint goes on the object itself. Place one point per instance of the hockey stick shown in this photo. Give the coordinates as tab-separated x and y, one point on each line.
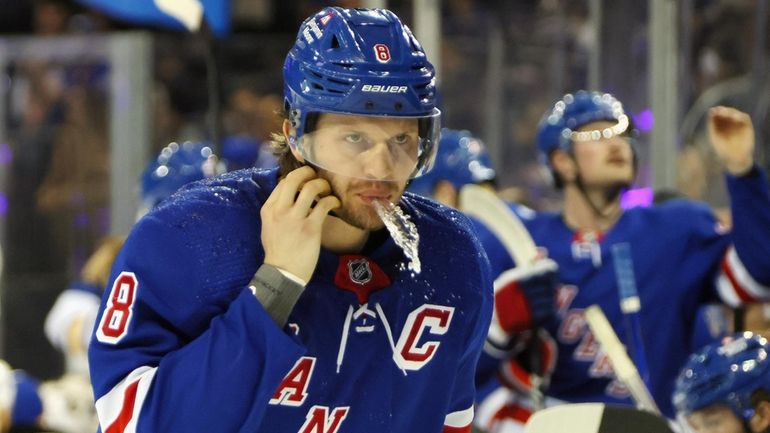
624	369
630	306
485	206
595	418
488	208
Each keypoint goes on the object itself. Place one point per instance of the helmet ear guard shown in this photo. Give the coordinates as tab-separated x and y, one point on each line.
295	118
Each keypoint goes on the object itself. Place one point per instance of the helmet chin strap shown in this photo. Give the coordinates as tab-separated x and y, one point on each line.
598	209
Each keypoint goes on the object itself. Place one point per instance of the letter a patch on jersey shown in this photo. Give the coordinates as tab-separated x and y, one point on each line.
293	388
320	421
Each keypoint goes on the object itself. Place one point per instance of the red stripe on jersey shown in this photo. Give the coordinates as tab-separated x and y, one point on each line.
739	290
126	412
448	429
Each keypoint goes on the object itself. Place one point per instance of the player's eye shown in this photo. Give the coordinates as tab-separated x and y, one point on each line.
400	139
354	138
405	142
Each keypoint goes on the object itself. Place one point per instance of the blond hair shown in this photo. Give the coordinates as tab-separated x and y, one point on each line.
97	268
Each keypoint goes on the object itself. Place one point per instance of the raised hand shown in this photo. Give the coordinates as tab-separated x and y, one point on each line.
731	134
292	219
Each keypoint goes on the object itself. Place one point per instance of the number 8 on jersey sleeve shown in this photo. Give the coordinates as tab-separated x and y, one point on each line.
117	314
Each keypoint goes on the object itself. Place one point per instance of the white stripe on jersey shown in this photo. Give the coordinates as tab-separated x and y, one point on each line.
460	418
113	405
727	291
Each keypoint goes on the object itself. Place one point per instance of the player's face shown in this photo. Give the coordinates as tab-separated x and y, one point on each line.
606	162
715	419
357	194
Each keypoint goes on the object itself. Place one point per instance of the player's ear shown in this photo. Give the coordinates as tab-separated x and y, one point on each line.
563	165
291	138
762	414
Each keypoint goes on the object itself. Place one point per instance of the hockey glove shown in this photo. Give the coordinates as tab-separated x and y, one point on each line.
518	372
525	297
68	405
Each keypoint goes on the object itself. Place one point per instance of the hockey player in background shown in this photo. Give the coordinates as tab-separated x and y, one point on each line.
462	159
65	404
725	388
681	258
70	322
275	301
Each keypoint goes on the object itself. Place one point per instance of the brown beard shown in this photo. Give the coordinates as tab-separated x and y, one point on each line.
356	214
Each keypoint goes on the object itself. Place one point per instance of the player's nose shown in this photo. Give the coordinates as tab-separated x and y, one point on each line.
377	162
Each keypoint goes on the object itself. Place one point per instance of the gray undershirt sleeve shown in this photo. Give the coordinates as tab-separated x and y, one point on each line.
276	292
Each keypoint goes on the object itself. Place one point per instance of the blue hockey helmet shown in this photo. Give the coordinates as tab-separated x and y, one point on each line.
175	166
244	151
558	127
724	374
361	62
461	159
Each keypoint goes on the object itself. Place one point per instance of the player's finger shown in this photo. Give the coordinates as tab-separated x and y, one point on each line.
718	119
740	117
323	207
288	187
725	125
309	192
724	114
719	110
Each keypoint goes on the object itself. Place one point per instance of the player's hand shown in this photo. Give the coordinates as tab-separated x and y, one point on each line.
732	136
536	357
68	405
526	296
7	395
292	219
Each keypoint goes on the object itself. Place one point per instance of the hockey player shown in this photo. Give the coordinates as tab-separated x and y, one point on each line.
682	257
725	388
462	159
275	301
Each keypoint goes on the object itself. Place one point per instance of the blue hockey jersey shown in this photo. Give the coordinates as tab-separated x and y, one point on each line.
182	345
682	258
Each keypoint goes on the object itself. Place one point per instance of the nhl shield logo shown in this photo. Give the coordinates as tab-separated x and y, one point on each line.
359	271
